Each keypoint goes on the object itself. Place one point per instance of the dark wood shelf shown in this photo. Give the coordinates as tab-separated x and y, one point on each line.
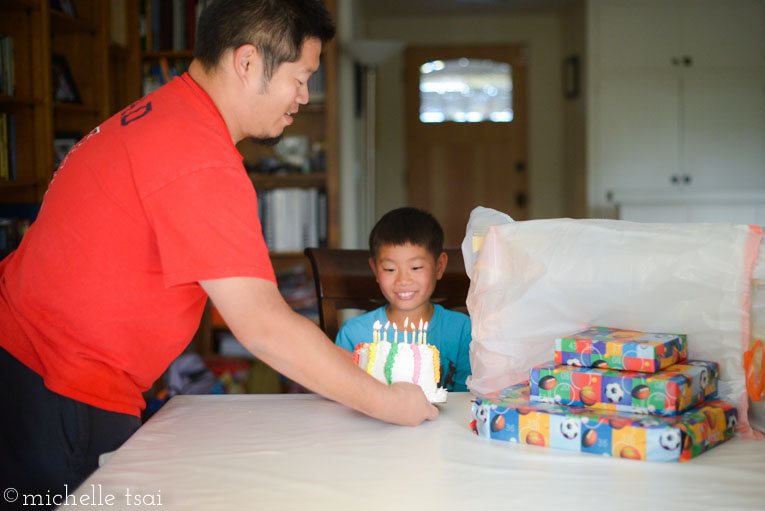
15	102
16	183
297	180
74	108
168	54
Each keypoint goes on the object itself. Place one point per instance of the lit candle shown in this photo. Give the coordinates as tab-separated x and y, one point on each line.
425	334
419	335
376	331
395	333
385	333
406	322
414	333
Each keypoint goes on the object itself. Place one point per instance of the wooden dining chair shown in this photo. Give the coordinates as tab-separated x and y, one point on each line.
344	280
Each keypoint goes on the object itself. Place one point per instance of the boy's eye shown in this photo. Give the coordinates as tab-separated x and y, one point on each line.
387	269
417	267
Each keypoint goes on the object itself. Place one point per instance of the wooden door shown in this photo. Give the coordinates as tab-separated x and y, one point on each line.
452	167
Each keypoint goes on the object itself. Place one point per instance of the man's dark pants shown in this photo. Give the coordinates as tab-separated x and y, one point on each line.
48	440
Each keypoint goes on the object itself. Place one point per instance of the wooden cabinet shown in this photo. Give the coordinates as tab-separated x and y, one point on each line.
60	67
677	96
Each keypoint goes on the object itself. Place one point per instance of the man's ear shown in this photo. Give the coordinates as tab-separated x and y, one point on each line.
248	64
441	265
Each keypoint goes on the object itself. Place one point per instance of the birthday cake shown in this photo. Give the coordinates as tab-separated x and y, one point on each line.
412	361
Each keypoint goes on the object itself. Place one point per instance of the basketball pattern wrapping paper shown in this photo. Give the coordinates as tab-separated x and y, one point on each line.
511	416
628	350
671	391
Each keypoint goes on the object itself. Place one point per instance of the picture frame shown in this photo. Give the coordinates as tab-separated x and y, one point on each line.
65	6
62	144
571	78
64	88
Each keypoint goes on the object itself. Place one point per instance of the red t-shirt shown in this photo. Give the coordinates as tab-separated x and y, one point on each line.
103	292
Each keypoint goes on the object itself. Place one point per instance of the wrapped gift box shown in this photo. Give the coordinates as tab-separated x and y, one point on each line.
668	392
512	417
613	348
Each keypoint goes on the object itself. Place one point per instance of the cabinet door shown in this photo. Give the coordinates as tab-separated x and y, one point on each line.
723	129
636	35
653	33
723	34
638	130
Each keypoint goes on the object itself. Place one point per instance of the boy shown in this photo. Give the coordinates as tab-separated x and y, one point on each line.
407	258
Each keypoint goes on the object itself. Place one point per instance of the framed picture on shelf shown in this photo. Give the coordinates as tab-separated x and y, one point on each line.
64	89
62	144
65	6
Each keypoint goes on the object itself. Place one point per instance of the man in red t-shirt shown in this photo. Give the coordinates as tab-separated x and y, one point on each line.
148	215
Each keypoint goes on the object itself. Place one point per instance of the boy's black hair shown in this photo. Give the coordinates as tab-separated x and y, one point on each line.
277	28
407	225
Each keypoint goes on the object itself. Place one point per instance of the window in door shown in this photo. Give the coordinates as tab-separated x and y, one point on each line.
466	90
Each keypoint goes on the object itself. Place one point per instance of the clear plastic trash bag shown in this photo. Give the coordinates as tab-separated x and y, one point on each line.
534	281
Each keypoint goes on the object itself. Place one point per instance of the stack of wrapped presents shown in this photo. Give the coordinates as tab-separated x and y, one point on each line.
614	392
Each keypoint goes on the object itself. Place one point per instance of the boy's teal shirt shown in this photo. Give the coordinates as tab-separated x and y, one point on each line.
448	330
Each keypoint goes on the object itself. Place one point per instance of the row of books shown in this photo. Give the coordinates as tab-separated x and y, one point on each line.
293	218
7	82
7	146
316	86
171	24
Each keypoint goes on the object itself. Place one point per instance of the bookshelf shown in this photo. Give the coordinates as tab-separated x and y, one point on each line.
166	43
61	77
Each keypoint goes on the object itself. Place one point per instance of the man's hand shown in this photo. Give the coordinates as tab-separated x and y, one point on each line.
410	407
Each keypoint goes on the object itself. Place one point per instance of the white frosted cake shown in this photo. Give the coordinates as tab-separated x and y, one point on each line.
400	361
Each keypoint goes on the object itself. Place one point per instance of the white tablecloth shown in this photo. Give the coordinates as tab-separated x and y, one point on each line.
275	452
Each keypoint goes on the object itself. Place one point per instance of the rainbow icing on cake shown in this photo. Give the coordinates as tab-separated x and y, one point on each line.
414	362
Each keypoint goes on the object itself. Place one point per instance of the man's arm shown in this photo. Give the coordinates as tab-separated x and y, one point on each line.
262	321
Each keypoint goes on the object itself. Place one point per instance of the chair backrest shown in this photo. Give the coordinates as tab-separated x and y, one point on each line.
344	280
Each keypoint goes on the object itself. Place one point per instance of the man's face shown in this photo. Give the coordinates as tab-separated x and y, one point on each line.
273	103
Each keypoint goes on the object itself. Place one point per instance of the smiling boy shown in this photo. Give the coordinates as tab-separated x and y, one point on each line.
407	258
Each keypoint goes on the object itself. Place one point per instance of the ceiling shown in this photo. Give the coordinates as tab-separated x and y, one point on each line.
396	8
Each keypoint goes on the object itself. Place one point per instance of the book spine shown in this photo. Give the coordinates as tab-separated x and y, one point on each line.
191	23
4	175
155	24
12	173
179	25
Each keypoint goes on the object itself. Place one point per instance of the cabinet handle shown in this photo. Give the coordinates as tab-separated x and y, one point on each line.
686	179
674	179
687	61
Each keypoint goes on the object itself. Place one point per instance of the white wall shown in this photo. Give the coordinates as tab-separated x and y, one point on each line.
540	34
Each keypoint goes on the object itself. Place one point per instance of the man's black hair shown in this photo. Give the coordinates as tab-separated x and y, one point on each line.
407	225
277	28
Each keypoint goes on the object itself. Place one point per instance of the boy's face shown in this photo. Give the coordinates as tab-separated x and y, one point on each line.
407	275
